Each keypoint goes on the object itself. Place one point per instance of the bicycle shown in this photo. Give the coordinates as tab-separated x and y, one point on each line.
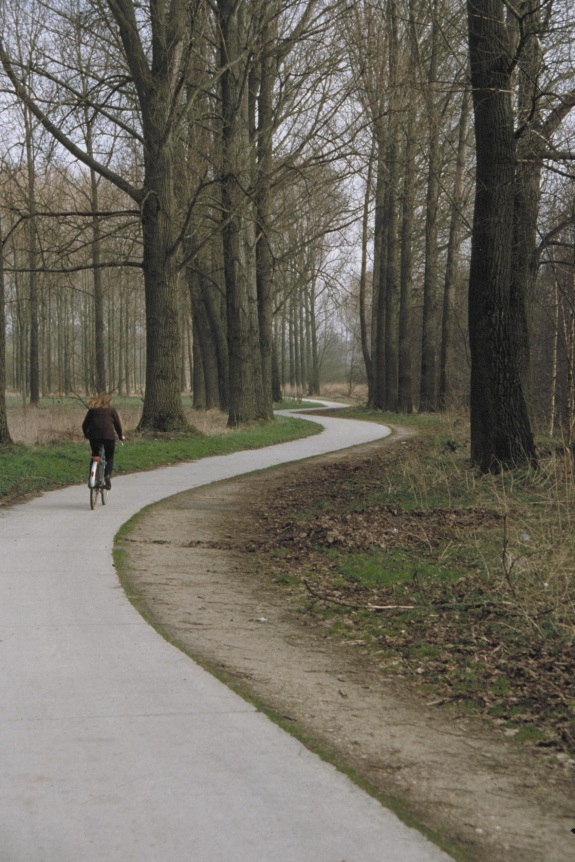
96	482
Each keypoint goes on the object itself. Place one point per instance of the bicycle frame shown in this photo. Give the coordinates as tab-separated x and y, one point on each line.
96	479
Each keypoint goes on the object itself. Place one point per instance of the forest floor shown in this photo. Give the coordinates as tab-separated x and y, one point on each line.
222	572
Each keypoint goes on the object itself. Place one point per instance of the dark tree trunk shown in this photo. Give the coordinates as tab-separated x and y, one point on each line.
238	222
163	409
392	259
264	256
453	244
34	367
379	285
405	391
428	379
277	393
206	388
363	328
314	364
99	349
5	439
531	141
501	434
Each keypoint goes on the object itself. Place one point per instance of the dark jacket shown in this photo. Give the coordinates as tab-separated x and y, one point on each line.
102	423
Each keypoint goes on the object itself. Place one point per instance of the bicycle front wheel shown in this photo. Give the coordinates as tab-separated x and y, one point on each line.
104	495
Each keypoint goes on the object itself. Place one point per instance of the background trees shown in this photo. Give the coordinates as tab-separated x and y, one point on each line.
212	197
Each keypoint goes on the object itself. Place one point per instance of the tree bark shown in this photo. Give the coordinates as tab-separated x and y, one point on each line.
206	388
238	221
34	345
155	84
162	401
428	378
263	197
99	349
501	433
5	439
405	384
392	257
453	246
379	304
363	328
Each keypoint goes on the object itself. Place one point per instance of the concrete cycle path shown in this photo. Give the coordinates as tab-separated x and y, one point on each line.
117	747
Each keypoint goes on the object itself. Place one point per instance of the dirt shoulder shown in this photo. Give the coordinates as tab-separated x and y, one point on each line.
480	795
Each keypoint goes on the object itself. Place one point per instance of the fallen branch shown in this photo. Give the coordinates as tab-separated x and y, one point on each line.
489	606
323	598
369	607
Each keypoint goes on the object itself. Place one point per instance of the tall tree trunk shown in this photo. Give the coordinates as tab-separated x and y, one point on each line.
162	401
34	366
530	139
99	350
206	390
295	334
363	327
391	219
391	283
453	245
48	341
5	439
405	390
554	360
292	344
379	285
428	379
303	340
238	226
314	382
156	81
267	76
501	433
216	314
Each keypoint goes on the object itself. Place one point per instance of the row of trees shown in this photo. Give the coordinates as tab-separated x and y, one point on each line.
64	311
213	177
306	326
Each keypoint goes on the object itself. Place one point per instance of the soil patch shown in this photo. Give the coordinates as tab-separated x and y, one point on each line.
193	568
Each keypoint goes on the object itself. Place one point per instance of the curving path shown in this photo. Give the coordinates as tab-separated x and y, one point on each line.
115	746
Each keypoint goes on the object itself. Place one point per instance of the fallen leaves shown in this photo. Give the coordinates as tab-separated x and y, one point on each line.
467	641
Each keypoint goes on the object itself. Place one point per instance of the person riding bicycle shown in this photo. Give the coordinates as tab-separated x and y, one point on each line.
100	426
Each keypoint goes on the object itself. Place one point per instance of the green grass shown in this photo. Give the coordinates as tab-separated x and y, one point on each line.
462	582
385	568
32	469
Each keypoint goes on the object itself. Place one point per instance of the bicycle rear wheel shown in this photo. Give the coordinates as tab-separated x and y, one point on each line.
94	496
102	480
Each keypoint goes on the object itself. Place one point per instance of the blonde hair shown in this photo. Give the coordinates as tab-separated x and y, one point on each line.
102	399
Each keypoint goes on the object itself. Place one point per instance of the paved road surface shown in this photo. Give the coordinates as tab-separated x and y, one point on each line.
115	746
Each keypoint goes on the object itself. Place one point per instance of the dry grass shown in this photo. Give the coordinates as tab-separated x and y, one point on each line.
62	421
34	426
332	391
463	583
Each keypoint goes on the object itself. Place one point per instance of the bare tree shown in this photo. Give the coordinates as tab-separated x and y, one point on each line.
501	433
154	59
453	254
5	438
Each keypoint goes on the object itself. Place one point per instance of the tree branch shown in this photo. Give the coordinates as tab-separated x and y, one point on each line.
63	139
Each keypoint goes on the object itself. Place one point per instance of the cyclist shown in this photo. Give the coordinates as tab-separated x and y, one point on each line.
100	426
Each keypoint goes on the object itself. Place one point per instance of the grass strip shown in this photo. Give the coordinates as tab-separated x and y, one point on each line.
26	470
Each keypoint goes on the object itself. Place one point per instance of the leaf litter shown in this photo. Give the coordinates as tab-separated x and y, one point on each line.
466	639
